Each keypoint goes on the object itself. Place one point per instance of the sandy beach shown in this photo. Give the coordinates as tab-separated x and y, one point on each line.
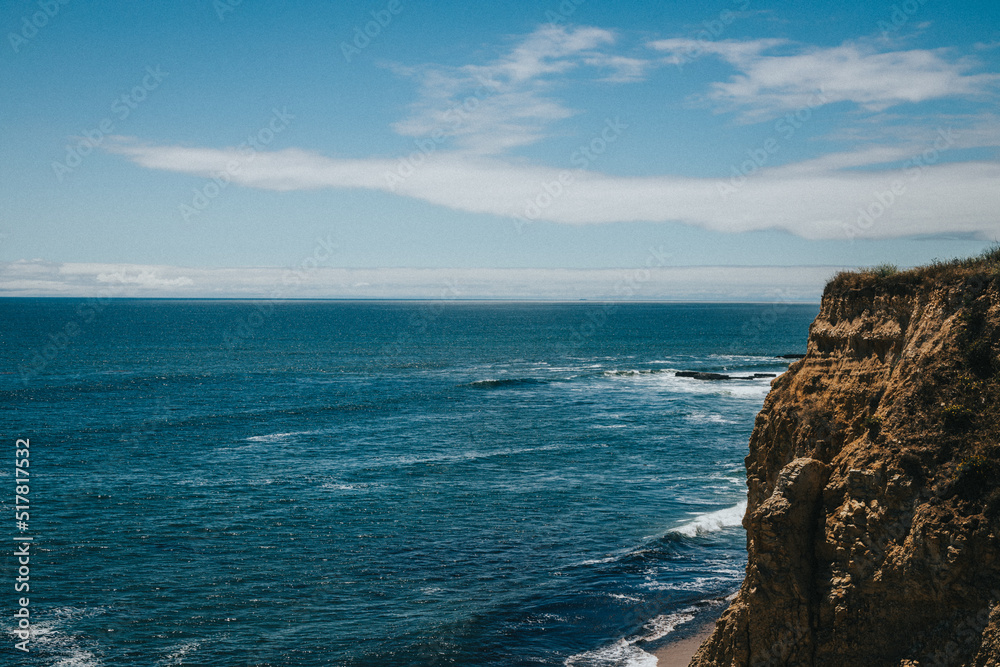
679	653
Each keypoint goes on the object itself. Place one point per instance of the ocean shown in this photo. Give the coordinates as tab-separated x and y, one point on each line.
393	483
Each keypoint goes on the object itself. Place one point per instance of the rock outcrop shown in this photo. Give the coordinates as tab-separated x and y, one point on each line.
873	517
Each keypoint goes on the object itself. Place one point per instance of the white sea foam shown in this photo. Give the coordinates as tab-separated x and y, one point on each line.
48	637
599	561
363	487
176	657
624	652
708	418
665	379
470	455
697	584
79	658
619	654
711	522
275	437
664	624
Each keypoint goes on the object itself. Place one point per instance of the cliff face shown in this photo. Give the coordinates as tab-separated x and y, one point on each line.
873	515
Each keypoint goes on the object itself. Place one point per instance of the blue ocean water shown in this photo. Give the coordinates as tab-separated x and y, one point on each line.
379	483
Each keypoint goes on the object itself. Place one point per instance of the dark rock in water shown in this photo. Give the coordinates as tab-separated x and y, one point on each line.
698	375
701	376
791	356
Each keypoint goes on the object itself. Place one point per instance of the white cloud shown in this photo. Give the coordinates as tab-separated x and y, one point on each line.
683	50
489	109
767	84
711	283
841	195
142	279
817	199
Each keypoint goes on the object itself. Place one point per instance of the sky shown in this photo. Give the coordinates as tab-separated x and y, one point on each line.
722	150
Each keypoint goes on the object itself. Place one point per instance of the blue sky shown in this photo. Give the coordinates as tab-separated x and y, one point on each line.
519	149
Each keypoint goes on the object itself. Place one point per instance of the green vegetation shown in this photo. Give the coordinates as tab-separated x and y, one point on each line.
874	425
971	385
976	278
957	417
973	476
885	270
981	269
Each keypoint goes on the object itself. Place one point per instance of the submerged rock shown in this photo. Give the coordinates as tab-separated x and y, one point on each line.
697	375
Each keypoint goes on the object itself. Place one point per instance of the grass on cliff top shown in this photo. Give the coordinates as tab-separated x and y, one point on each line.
891	278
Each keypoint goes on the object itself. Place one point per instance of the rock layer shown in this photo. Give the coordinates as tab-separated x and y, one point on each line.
872	518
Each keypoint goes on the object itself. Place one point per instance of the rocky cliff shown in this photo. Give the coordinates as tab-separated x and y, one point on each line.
873	521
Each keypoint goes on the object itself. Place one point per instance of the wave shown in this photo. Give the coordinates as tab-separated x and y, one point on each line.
511	382
664	624
50	639
712	522
624	652
634	372
275	437
746	381
176	657
652	549
619	654
708	418
755	390
346	486
473	455
740	384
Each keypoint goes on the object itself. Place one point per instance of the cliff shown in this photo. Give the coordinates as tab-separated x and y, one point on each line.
873	518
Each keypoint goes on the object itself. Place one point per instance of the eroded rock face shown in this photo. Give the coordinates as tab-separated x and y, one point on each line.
872	529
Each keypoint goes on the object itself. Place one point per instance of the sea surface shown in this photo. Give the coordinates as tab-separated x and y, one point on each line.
378	484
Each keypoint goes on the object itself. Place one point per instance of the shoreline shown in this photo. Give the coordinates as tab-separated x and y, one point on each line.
680	652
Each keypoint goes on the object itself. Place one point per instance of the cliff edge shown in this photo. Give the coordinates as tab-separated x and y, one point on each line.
873	517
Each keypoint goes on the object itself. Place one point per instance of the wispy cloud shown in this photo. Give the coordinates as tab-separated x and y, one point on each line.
478	112
768	83
816	199
489	109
